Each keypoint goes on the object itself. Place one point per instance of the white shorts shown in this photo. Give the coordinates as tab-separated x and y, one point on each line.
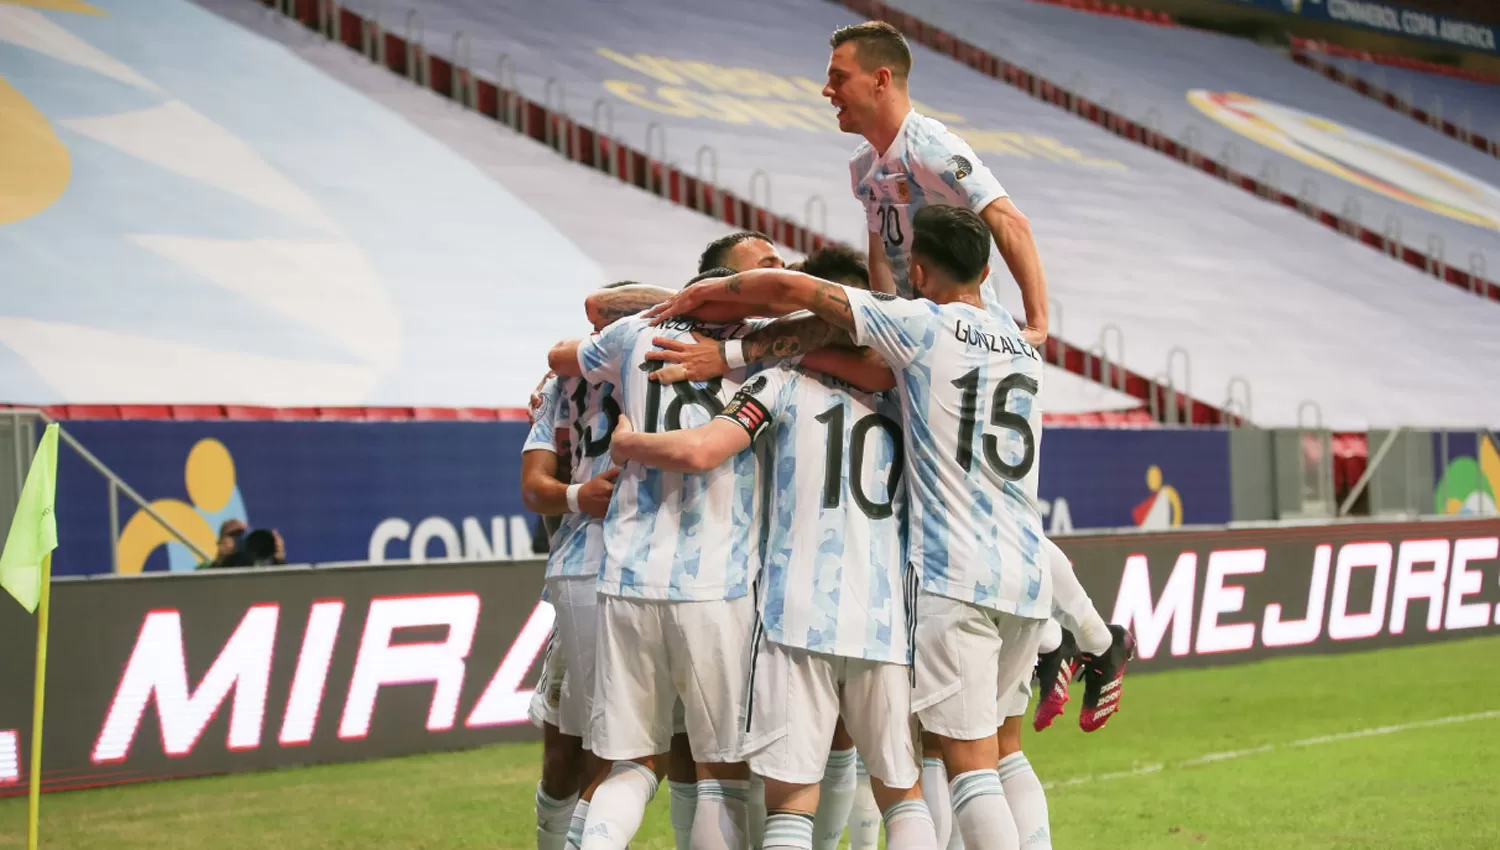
1015	704
652	653
576	603
796	698
547	698
966	659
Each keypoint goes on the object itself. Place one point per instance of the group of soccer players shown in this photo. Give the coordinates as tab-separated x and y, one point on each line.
798	512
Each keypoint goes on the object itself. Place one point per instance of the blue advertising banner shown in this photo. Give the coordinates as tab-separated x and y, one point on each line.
335	491
1154	479
389	491
1389	18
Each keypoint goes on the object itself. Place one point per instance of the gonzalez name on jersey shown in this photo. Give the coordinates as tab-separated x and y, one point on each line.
655	541
926	164
968	385
835	555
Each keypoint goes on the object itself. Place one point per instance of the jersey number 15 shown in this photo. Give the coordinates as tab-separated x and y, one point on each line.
1000	417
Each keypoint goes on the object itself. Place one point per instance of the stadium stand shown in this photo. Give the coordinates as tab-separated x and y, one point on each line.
1467	107
1235	100
220	247
1133	240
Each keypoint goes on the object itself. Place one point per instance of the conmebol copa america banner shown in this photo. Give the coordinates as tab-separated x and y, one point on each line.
1388	18
398	491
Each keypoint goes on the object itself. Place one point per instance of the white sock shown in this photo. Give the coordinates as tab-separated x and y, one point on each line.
1027	801
789	831
908	826
755	812
617	808
1072	606
980	810
722	817
939	803
864	820
835	799
576	825
553	817
684	801
1051	637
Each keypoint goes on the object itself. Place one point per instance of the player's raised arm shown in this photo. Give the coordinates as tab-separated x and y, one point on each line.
691	450
881	279
828	301
1012	233
612	303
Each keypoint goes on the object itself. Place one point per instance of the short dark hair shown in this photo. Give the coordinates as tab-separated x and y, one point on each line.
954	239
840	264
713	256
877	45
721	271
619	283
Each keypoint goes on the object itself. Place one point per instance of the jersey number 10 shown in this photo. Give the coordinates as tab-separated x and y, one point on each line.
833	473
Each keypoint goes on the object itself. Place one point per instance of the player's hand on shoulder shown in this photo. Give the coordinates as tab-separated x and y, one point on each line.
699	360
1034	336
535	402
594	495
680	304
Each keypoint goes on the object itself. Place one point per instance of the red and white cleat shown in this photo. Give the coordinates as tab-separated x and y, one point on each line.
1103	678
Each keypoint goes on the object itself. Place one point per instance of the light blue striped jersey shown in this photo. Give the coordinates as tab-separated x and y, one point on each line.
543	433
589	413
968	385
835	563
926	164
672	535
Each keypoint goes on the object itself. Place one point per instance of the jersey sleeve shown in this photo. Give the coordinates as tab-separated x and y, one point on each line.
898	329
602	355
543	434
759	400
949	160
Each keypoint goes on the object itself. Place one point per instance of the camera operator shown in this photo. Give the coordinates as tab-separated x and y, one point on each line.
240	547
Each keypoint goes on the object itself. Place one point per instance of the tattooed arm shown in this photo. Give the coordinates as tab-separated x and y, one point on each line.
824	336
606	306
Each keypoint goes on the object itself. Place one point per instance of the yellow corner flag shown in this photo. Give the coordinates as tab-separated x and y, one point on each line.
33	531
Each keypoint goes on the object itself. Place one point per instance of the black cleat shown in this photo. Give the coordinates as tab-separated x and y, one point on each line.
1054	670
1103	676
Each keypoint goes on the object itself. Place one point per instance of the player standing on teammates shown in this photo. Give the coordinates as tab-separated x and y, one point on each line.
968	385
909	161
834	595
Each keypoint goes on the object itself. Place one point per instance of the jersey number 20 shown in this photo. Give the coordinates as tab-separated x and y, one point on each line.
1000	417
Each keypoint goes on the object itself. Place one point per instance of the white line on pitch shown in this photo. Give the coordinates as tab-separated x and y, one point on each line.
1227	755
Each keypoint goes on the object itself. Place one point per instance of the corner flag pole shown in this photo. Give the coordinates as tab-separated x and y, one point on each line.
33	824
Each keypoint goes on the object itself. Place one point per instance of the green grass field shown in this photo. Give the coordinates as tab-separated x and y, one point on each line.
1322	773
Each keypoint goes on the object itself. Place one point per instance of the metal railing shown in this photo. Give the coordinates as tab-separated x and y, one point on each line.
24	447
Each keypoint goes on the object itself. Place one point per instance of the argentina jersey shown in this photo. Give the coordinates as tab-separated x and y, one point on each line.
968	387
543	433
834	577
672	535
589	413
926	164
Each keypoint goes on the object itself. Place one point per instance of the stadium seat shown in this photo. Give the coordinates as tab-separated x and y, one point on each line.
197	411
344	414
145	411
244	411
388	414
436	413
295	413
91	411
